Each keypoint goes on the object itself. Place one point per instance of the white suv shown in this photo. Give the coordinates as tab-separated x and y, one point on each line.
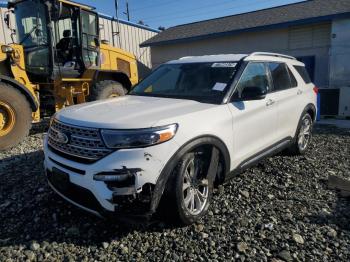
190	125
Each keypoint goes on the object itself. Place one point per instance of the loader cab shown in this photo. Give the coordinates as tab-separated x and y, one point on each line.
76	40
60	38
32	34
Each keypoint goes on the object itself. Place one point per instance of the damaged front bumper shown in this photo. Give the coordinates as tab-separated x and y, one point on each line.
122	183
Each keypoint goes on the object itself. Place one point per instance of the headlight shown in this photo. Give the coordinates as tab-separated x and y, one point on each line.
6	49
138	137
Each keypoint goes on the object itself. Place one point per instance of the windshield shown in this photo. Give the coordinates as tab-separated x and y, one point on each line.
31	23
203	82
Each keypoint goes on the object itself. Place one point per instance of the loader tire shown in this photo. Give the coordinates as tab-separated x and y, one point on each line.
15	116
107	89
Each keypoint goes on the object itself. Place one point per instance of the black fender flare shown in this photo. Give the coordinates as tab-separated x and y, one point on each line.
309	107
23	89
115	75
192	144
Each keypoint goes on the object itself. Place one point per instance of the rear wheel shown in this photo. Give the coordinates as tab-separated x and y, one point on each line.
107	89
303	137
190	190
15	116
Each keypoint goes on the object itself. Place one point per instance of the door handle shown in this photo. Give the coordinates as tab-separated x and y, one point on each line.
270	102
299	92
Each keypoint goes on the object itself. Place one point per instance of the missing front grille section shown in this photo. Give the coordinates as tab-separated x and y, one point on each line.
119	178
129	182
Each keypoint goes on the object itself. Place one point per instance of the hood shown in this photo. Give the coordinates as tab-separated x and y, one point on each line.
128	112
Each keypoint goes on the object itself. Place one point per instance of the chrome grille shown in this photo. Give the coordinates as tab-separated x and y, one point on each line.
83	143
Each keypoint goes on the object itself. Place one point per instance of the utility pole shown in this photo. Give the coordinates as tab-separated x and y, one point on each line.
118	27
127	10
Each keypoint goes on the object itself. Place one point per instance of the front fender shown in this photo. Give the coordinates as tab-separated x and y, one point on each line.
169	167
22	88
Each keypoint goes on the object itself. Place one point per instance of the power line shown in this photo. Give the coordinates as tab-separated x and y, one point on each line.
203	13
154	5
127	13
186	11
174	16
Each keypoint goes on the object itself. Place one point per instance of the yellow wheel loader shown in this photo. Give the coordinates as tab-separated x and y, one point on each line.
57	60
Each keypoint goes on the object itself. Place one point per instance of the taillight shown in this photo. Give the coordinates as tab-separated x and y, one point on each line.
316	90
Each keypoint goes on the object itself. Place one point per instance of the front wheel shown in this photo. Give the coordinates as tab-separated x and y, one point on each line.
303	137
190	189
15	116
107	89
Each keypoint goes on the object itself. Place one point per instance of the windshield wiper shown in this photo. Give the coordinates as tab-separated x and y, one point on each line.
201	99
28	34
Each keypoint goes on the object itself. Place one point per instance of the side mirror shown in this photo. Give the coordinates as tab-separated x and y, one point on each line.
97	42
253	93
7	19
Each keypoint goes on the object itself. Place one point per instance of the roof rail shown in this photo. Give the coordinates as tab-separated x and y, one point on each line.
185	57
272	54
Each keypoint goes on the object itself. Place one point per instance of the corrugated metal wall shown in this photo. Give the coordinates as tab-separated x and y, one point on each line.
317	35
129	38
299	41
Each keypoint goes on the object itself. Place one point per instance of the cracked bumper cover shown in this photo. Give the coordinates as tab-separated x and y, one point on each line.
86	187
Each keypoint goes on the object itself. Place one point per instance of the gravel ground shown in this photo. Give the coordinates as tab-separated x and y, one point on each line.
280	210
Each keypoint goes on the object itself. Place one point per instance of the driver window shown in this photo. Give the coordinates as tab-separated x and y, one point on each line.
64	25
64	41
254	75
89	38
66	37
33	26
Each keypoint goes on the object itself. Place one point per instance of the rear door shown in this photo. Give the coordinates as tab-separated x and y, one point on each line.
287	94
255	121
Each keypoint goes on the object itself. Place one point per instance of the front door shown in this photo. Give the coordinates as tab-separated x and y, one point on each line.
254	122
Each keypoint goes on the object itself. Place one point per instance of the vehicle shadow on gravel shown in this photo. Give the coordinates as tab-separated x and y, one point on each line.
41	127
339	215
331	130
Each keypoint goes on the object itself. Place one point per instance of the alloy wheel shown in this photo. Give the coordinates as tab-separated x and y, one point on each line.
304	134
195	189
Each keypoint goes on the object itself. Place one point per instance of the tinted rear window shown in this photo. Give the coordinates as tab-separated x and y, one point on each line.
292	78
280	76
303	73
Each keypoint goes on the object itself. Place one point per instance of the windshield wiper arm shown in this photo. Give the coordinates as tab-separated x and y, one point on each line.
28	34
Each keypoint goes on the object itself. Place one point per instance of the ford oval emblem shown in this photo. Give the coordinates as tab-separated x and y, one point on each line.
62	138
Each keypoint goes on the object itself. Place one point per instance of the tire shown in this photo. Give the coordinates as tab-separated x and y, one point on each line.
177	207
303	136
15	109
107	89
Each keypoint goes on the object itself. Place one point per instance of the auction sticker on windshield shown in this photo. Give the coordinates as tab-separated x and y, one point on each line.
224	65
219	87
